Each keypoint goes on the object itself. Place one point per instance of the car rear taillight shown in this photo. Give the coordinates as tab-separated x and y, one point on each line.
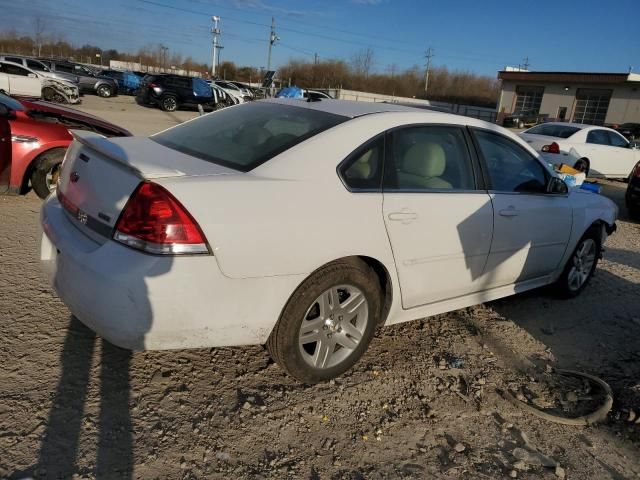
553	148
154	221
152	85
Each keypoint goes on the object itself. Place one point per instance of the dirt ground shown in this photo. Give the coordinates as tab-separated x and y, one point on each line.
426	401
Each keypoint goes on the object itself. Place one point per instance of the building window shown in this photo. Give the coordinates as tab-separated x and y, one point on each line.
591	106
528	99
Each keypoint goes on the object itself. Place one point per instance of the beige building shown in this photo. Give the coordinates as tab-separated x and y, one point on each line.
593	98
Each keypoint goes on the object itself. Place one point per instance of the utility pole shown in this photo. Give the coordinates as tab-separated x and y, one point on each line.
315	58
428	56
525	64
216	33
273	38
164	55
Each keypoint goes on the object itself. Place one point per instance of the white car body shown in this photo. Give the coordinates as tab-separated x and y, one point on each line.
27	82
614	159
231	89
269	228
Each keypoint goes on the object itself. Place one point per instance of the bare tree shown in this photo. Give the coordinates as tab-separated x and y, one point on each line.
362	62
39	28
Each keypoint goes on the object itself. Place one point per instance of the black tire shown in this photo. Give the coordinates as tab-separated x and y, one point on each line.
582	165
563	286
169	103
104	91
44	174
284	343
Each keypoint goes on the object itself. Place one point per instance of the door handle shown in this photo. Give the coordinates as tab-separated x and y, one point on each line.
509	212
404	216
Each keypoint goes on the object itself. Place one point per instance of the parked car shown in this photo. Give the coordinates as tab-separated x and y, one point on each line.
521	118
89	82
632	197
267	223
631	131
316	95
39	139
597	151
18	80
128	82
245	89
234	91
171	92
39	67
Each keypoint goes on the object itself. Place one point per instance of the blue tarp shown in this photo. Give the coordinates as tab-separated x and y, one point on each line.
130	81
290	92
201	88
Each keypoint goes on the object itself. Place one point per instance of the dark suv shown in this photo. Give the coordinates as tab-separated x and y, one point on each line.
171	92
89	82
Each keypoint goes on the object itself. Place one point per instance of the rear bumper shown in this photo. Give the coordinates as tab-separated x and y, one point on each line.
146	302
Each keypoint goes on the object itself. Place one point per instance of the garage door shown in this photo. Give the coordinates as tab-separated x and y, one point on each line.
591	106
528	98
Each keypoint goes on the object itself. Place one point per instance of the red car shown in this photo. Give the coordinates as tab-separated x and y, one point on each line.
34	136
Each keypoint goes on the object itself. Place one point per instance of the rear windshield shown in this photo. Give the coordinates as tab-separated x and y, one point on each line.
247	135
560	131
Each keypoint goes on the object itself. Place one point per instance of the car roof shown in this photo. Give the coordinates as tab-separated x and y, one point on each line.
345	108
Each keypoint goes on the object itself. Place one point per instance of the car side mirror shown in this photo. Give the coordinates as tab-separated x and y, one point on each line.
557	186
32	75
634	145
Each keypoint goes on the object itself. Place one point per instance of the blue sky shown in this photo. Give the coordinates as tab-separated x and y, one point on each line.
479	36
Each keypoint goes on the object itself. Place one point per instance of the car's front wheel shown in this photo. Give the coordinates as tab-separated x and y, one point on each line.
46	172
328	322
104	91
582	264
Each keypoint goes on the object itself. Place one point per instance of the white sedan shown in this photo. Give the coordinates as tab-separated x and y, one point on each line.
597	151
305	225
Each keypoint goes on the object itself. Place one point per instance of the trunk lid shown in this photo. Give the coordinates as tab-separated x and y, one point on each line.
99	175
538	141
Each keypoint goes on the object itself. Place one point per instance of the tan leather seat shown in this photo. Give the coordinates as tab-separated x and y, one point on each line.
422	167
361	168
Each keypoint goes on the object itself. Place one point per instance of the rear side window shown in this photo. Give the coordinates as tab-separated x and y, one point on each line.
427	158
599	137
362	170
246	136
33	65
559	131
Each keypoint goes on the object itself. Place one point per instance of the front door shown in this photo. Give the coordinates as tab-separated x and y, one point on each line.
439	223
531	227
5	154
22	81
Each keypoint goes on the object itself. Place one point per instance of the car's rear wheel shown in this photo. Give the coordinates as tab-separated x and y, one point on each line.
580	267
169	103
44	177
582	165
328	322
104	91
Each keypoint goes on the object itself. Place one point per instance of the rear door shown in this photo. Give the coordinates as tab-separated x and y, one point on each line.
439	220
531	227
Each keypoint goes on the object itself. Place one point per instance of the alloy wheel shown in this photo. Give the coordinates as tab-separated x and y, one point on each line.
333	326
583	260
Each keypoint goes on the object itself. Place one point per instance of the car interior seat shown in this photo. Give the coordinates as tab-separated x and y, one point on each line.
422	166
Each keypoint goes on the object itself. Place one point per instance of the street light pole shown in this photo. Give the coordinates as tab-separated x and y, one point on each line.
216	32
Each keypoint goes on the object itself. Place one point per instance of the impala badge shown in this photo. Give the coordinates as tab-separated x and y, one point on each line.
74	177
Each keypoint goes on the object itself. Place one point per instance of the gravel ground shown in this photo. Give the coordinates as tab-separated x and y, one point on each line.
426	401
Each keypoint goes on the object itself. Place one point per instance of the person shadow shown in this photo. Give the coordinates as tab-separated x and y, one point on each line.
59	448
108	285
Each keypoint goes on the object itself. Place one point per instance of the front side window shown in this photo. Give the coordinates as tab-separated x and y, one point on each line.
617	140
599	137
14	70
363	169
510	167
64	68
427	158
247	135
